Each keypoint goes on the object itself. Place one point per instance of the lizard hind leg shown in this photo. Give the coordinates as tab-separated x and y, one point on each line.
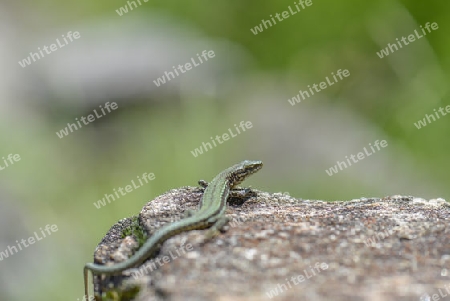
218	225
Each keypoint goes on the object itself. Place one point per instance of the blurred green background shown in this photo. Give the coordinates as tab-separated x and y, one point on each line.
155	128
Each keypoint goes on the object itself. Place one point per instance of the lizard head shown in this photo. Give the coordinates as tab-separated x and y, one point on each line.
243	169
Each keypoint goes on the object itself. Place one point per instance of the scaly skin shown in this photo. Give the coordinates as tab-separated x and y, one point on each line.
211	213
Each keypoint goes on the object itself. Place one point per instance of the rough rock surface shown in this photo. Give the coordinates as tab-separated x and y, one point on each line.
281	248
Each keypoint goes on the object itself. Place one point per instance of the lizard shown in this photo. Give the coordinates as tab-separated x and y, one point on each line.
211	214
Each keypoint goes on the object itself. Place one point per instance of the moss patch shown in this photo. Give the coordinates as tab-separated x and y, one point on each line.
136	230
123	294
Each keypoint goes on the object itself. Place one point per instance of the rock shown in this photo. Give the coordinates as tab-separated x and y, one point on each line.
282	248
